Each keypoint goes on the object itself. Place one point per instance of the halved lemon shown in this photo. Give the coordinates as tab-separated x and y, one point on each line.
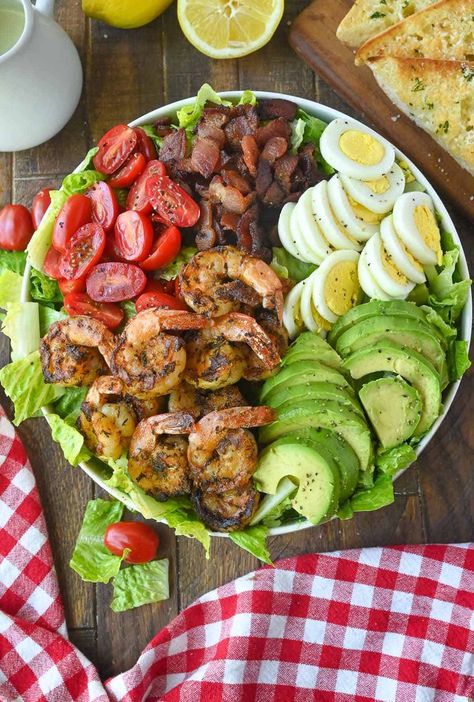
125	14
229	28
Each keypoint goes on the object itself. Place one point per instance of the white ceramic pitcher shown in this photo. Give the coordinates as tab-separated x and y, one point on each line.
40	77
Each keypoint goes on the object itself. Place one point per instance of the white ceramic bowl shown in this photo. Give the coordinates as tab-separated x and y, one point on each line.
98	473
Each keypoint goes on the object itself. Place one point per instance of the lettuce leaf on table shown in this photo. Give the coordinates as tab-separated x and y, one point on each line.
254	540
140	584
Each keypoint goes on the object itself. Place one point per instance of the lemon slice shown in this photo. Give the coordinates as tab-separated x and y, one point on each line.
229	28
125	14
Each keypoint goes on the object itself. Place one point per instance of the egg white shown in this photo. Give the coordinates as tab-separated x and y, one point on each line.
373	249
301	241
333	154
327	221
319	281
342	209
291	312
285	234
404	223
306	308
309	228
367	281
376	202
398	253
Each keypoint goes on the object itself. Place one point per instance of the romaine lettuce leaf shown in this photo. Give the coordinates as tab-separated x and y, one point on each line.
272	506
314	127
298	127
448	294
379	495
392	460
458	359
41	240
287	266
150	131
189	115
254	540
43	288
79	182
141	584
443	330
247	98
12	261
69	438
90	559
129	309
173	268
86	162
47	316
69	404
10	288
21	325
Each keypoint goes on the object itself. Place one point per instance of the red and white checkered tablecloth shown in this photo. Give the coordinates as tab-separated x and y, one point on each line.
389	624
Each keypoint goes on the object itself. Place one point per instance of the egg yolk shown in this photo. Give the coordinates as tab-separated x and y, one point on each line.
410	257
391	268
361	148
364	214
379	185
426	224
320	321
342	290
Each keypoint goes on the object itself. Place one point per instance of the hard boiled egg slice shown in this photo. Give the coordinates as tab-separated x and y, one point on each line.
384	270
336	288
301	241
334	232
285	233
356	150
356	219
415	224
309	313
398	252
309	228
369	285
379	194
292	320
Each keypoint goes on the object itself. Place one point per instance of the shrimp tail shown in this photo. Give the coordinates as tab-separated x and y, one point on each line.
238	327
175	423
234	418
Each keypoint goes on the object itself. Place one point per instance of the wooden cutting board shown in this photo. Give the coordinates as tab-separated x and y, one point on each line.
313	37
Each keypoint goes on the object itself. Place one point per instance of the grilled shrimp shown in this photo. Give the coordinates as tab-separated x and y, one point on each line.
109	416
255	369
75	351
149	361
198	402
206	282
226	511
158	460
222	454
216	356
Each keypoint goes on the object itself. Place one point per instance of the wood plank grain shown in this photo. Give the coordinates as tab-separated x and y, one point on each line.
313	37
6	177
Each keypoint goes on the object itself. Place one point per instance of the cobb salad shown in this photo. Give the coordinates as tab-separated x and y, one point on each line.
153	311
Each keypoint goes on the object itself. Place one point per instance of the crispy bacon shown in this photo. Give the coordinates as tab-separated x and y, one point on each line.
205	156
274	195
284	169
210	131
230	198
250	152
274	149
206	236
173	147
264	177
276	128
236	180
276	107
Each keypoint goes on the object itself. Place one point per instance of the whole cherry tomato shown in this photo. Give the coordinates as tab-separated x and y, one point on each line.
16	227
51	263
164	249
144	144
105	207
114	282
159	299
137	198
171	202
72	286
83	251
79	303
133	235
76	211
40	204
141	540
114	148
129	172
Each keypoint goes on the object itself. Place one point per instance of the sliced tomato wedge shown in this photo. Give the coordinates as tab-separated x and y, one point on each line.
114	282
85	248
164	249
78	303
105	207
171	202
159	299
133	236
76	211
114	148
137	198
144	144
72	286
130	171
51	263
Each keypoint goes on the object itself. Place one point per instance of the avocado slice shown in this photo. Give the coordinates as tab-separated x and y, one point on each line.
374	308
311	347
379	397
405	331
411	365
327	414
303	372
317	496
280	396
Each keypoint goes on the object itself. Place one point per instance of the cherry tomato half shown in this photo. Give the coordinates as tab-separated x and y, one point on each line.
85	248
139	538
133	236
114	282
144	144
130	171
171	202
77	303
114	148
76	211
16	227
105	207
72	286
137	198
159	299
164	249
40	204
51	263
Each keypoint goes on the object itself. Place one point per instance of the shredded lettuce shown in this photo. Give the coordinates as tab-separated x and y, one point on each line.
448	293
141	584
314	127
189	115
90	559
287	266
392	460
173	268
458	359
254	540
21	325
24	384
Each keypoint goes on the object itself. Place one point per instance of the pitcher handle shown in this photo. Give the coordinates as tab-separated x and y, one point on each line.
46	7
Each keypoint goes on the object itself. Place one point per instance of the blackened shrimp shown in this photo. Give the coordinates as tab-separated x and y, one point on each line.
75	351
216	356
109	416
157	459
222	454
226	511
185	397
255	369
205	280
148	360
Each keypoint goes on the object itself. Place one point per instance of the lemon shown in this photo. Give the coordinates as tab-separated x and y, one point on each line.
125	14
229	28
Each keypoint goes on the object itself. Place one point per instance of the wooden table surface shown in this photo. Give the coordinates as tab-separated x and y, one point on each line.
126	74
